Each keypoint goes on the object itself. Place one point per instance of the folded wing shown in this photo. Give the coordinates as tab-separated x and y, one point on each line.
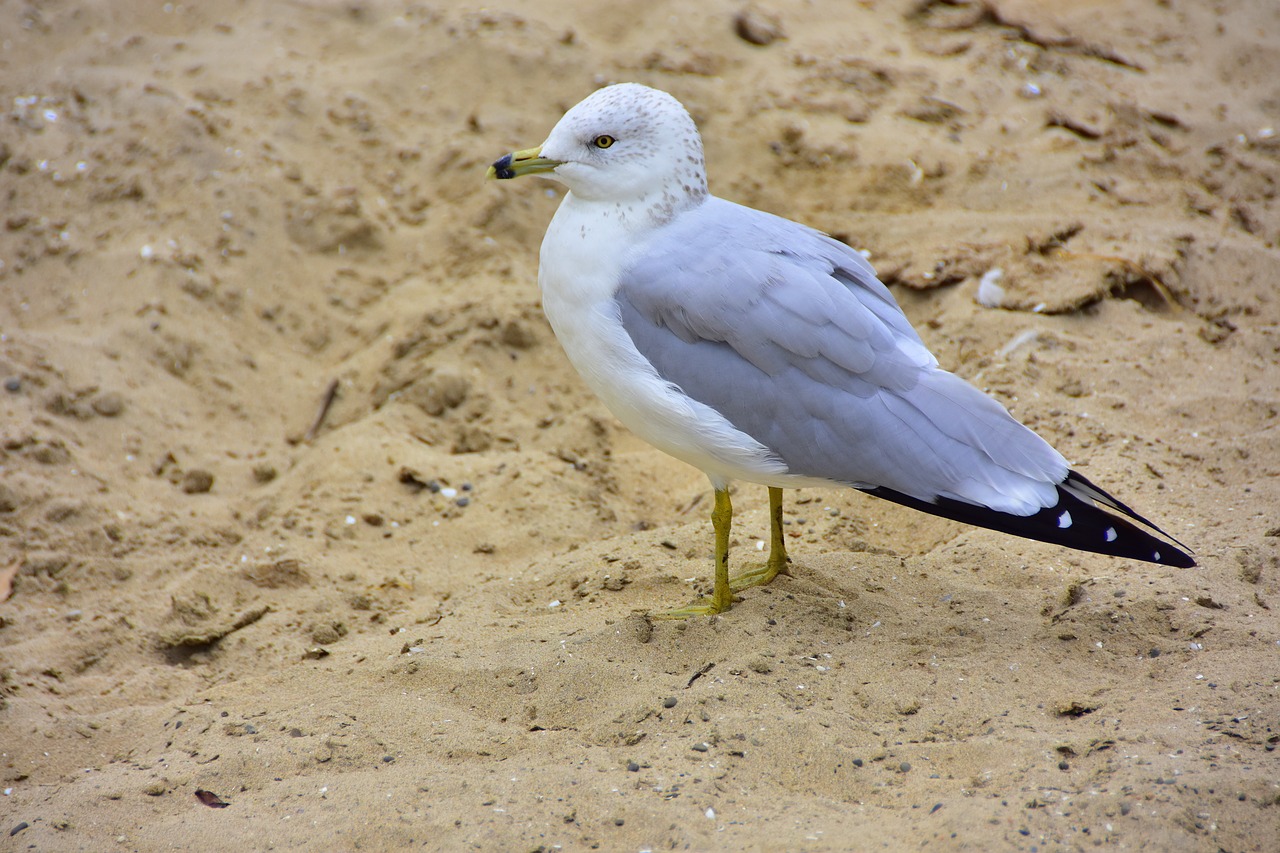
792	338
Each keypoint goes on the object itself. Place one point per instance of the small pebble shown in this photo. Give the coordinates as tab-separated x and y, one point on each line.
514	334
758	27
904	766
632	767
669	702
197	481
463	501
1063	765
13	385
109	405
701	747
857	762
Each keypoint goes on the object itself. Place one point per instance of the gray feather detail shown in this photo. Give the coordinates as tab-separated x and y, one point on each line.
789	335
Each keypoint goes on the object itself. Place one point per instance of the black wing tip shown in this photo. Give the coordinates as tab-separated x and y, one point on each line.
1176	557
1071	523
1169	555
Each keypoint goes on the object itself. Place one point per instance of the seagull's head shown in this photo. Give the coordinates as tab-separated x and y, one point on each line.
625	143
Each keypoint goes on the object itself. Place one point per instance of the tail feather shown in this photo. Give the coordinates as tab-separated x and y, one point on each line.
1075	521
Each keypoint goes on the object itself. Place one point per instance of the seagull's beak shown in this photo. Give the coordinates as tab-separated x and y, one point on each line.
517	163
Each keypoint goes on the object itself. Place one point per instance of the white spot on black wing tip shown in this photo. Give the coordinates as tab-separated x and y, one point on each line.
1110	534
1064	520
1156	556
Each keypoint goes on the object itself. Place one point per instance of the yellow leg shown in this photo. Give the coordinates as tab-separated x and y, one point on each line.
777	563
722	596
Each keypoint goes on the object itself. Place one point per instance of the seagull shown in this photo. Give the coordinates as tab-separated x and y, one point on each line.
759	349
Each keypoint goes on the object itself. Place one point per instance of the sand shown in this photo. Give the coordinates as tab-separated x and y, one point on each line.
418	620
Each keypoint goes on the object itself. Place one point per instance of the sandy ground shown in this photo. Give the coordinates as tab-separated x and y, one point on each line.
421	622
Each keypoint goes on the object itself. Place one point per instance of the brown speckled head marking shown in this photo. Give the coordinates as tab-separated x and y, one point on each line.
654	165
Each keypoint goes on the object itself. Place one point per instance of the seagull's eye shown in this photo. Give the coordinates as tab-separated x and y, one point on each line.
604	140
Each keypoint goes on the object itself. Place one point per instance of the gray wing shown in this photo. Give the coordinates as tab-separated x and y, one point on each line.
792	338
